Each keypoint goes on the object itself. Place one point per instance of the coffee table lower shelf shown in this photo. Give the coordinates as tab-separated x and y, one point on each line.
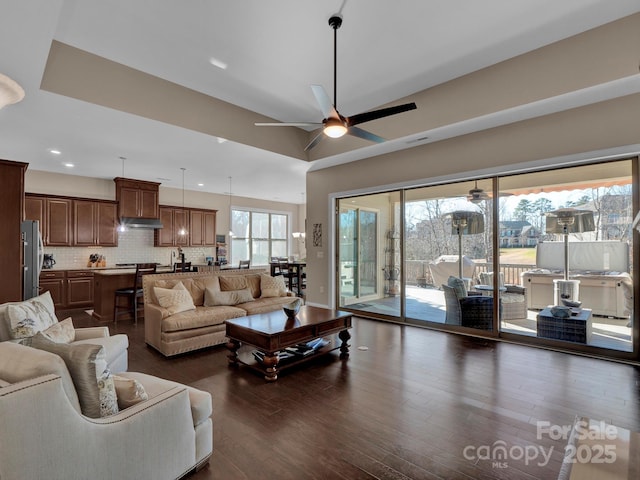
271	366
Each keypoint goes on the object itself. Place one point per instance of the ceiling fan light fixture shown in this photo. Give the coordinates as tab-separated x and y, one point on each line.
10	91
334	128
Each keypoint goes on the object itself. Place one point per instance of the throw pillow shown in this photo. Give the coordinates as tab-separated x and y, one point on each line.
272	286
458	285
129	391
176	299
214	297
107	394
61	332
32	316
86	364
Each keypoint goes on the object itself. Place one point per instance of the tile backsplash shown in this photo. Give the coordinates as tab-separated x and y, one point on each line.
134	246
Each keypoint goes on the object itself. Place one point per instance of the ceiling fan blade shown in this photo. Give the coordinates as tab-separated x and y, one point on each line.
360	133
314	142
328	110
288	124
376	114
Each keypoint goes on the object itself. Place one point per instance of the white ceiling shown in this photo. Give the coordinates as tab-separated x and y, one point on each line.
274	50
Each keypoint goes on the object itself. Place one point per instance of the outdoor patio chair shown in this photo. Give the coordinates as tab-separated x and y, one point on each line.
472	311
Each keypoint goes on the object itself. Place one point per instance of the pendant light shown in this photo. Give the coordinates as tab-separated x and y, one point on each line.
230	213
183	230
10	91
122	227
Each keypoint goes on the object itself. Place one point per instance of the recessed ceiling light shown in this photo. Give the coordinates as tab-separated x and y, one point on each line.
201	184
69	165
218	63
221	140
54	151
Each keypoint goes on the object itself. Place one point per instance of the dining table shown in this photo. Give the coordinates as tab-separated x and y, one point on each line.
295	274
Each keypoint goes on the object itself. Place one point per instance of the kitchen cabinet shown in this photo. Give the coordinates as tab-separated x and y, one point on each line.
202	231
54	282
58	217
95	223
79	286
137	198
11	214
68	288
54	215
173	220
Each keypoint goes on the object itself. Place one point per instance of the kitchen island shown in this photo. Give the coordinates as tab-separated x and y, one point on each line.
106	282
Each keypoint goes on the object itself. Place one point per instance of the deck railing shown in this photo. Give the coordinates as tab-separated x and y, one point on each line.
417	272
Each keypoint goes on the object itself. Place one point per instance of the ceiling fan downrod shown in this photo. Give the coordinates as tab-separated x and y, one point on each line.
335	22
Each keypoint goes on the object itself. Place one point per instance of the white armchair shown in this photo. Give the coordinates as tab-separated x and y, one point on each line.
44	435
115	346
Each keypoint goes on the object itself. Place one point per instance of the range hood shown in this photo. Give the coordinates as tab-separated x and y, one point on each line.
132	222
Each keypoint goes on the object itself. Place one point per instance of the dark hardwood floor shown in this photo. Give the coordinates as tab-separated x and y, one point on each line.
417	404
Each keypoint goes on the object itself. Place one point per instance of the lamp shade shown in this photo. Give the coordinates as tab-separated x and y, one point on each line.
569	220
10	91
466	222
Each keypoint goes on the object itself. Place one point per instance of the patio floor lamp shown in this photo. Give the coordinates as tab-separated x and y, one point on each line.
465	223
565	221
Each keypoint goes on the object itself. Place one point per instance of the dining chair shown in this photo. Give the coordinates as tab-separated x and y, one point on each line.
133	295
244	264
182	267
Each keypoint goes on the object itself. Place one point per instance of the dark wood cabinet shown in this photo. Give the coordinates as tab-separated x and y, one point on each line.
58	214
95	223
11	214
137	198
54	283
79	288
68	288
173	219
203	228
34	209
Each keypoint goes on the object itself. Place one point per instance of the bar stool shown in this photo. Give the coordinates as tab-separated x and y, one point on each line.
132	295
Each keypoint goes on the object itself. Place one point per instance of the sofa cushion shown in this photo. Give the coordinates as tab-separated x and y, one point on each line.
4	383
200	317
263	305
272	286
253	281
19	363
86	364
232	282
176	299
31	316
458	285
233	297
61	332
129	391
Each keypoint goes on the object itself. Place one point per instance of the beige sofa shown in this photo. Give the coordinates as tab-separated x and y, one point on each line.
176	333
44	434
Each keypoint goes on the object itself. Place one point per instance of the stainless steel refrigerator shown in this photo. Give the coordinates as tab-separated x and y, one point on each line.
33	256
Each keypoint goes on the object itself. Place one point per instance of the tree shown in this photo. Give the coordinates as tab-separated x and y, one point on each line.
523	210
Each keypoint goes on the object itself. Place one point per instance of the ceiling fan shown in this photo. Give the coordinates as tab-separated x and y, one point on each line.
334	124
477	195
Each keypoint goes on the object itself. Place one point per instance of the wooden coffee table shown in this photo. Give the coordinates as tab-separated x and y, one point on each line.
272	332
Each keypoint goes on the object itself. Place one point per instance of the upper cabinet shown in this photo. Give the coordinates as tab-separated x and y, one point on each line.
95	223
137	198
200	226
66	222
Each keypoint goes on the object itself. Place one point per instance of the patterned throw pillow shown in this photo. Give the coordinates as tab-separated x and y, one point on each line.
458	285
213	297
61	332
272	286
129	391
176	299
32	316
87	366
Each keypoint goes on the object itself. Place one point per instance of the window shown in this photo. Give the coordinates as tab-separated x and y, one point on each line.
258	236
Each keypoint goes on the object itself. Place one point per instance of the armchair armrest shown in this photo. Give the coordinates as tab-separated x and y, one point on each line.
91	332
